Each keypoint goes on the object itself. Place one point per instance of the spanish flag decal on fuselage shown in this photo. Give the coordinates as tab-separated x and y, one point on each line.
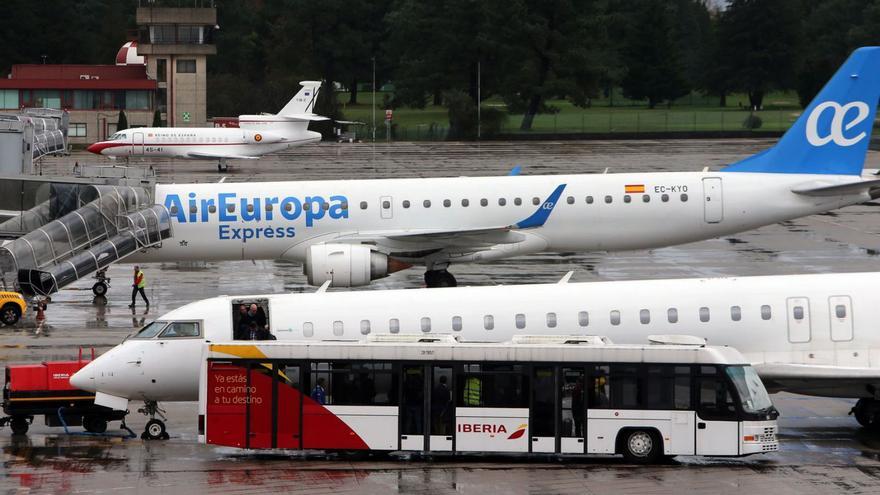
634	188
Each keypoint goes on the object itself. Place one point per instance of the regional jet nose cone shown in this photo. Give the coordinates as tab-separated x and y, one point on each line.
95	148
84	379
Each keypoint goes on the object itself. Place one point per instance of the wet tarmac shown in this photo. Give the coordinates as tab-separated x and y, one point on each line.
823	449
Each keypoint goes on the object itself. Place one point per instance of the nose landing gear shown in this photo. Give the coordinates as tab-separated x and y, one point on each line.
102	283
155	428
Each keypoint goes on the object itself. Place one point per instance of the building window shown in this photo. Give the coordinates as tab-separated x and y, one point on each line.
137	100
9	99
186	66
47	98
162	70
77	130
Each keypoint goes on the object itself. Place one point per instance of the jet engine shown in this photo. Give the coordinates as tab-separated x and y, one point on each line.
347	265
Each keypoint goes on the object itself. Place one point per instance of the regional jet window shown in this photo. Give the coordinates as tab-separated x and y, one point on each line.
173	210
151	330
308	329
289	206
338	329
325	206
735	313
230	208
704	314
212	209
426	203
645	316
765	312
484	202
517	201
798	312
456	323
365	327
385	205
583	318
364	205
447	203
589	200
488	322
646	198
840	311
536	201
664	198
394	325
626	198
425	324
465	203
193	209
672	315
268	206
520	321
551	320
615	317
684	198
608	199
570	200
406	203
250	208
344	205
180	329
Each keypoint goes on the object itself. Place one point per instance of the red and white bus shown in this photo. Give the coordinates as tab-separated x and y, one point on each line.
552	395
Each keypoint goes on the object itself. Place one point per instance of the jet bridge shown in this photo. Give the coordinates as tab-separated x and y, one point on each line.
111	223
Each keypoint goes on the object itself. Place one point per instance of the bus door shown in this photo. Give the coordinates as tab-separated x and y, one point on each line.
442	410
542	418
288	406
573	411
260	386
717	420
226	407
412	407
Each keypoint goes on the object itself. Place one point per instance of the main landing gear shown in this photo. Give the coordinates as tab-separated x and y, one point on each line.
222	165
867	413
439	278
155	428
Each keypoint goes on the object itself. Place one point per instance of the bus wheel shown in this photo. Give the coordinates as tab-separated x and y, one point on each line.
640	446
94	425
154	430
19	426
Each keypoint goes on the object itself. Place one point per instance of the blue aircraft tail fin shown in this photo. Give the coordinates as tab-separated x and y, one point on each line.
832	135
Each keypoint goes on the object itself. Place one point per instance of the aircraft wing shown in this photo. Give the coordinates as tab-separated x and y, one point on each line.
813	379
824	189
217	156
459	238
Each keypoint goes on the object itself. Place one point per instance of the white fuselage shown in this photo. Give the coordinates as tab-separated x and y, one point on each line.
280	220
823	322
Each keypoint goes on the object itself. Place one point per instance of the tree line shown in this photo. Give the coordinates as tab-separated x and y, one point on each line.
524	52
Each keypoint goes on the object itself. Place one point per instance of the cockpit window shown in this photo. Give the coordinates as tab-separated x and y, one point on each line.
151	330
116	137
181	329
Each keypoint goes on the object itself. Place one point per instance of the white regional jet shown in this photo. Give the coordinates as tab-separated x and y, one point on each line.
353	231
255	136
808	334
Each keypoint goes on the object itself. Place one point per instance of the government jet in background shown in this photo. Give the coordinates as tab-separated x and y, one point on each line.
350	232
255	136
807	334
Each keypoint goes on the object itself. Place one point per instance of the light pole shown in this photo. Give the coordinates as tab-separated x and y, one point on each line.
374	98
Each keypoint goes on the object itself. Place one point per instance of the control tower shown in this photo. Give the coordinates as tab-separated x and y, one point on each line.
176	37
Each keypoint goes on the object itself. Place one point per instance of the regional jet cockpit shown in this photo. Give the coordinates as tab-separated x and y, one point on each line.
170	330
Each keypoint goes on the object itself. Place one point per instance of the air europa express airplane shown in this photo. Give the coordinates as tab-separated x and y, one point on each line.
809	334
256	135
353	231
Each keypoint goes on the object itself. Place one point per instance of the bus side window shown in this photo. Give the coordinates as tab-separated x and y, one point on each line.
626	390
599	388
715	399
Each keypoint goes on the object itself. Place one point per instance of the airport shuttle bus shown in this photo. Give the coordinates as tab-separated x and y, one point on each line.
535	394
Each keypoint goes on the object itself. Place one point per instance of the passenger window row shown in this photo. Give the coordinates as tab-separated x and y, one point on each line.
551	320
230	208
646	198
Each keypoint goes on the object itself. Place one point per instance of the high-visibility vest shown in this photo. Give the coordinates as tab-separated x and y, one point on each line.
143	280
472	393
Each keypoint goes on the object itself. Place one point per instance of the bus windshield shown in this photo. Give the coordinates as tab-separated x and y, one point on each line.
751	390
151	330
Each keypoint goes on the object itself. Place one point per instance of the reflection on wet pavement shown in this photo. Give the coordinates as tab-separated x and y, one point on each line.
823	449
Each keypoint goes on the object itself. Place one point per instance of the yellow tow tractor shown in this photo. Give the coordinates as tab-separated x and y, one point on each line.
12	307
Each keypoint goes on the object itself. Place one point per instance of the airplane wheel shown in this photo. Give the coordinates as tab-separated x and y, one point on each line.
94	425
19	426
10	314
439	278
99	289
154	430
867	413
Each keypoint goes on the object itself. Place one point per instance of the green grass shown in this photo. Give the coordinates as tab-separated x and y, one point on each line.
690	113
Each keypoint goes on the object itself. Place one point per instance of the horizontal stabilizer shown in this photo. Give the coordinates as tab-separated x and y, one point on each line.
305	117
849	188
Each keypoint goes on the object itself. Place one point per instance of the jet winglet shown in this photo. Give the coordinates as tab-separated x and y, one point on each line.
515	170
565	278
543	213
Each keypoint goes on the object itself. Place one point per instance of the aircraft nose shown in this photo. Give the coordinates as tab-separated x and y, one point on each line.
84	379
95	148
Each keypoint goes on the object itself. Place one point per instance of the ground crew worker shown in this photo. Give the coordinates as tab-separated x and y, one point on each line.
138	286
472	392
